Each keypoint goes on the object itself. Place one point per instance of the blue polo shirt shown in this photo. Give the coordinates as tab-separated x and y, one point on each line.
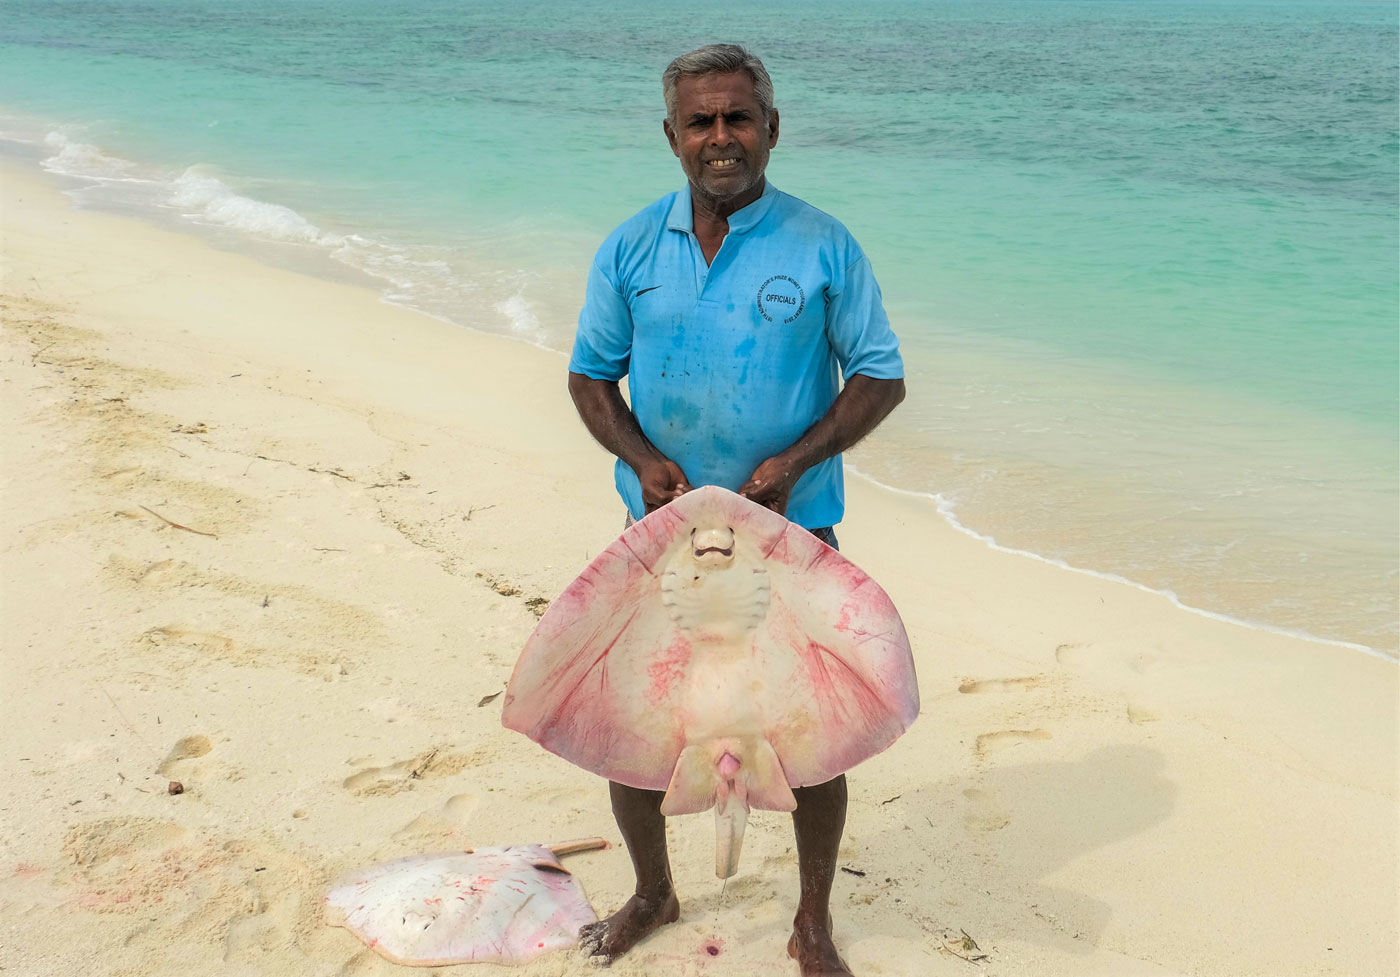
728	364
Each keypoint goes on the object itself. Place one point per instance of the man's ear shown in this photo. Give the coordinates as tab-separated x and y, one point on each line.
773	127
670	137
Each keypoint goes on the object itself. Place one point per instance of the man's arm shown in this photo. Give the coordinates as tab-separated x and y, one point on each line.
612	423
860	407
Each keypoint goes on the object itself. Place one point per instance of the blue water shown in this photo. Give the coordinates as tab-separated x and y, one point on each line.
1142	255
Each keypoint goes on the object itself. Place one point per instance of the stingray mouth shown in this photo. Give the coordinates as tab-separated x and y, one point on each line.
712	545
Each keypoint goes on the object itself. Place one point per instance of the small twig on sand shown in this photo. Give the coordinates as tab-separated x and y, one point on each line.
331	471
134	731
891	800
424	764
970	945
176	525
487	698
327	549
35	358
477	508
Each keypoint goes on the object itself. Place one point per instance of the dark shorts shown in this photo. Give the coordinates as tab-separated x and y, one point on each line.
827	534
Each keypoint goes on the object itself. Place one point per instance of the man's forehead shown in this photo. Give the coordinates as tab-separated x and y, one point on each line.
714	92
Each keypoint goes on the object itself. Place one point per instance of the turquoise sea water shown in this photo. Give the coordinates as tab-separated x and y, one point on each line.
1142	255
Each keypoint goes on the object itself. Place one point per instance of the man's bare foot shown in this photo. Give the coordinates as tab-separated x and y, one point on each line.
610	938
814	952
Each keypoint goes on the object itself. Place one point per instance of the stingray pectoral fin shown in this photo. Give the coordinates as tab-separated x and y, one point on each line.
692	787
730	819
765	783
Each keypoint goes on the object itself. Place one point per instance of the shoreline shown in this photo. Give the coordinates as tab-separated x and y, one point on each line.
1094	774
330	267
947	513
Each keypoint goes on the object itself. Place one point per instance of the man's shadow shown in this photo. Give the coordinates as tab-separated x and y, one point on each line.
984	843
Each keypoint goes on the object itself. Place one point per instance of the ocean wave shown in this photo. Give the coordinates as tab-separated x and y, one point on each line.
88	162
521	316
213	201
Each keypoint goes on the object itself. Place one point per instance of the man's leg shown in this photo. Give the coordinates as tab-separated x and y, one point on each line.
654	903
818	822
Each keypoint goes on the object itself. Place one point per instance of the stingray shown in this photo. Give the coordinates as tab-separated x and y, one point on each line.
720	653
504	904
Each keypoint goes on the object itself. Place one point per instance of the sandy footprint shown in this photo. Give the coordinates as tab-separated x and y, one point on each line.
204	642
443	825
573	798
984	813
188	748
978	686
1139	714
395	777
1069	653
191	764
989	743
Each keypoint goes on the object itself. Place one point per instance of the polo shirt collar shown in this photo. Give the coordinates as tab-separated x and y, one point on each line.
682	218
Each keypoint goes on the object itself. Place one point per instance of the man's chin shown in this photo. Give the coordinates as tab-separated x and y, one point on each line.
723	189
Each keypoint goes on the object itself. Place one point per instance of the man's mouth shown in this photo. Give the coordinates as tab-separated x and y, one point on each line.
722	164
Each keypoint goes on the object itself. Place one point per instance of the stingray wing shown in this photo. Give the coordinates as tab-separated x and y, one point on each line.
597	681
838	667
487	904
603	680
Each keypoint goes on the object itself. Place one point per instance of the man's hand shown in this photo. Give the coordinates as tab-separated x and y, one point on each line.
662	481
771	483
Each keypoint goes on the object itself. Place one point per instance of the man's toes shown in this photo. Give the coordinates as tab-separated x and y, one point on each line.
590	937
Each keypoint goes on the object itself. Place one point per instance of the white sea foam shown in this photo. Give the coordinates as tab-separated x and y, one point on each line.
520	314
208	199
411	275
85	161
945	509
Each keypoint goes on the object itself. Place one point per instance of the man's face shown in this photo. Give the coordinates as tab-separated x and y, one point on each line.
720	135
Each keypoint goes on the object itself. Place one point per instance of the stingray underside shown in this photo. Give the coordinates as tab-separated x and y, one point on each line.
720	674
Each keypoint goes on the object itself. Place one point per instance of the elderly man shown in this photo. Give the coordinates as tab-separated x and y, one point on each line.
731	307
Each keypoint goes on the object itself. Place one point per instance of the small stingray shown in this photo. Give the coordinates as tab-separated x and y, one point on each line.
720	653
503	905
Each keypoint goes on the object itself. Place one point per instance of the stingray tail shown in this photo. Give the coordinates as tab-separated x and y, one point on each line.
736	775
731	817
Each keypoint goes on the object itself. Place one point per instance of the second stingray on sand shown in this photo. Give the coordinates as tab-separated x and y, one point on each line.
720	653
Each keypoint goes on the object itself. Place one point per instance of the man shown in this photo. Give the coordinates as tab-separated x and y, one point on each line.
730	307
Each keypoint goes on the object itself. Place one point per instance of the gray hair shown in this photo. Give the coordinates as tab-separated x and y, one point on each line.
719	59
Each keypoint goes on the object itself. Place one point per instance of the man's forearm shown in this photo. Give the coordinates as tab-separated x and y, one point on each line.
860	407
611	421
862	404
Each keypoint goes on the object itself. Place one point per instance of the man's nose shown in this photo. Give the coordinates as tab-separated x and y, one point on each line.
720	134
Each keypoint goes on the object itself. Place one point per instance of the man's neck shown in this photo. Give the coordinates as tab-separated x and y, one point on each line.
712	214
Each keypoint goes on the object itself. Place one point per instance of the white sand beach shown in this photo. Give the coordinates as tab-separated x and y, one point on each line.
271	538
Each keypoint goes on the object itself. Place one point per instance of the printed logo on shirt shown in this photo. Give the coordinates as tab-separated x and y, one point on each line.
781	299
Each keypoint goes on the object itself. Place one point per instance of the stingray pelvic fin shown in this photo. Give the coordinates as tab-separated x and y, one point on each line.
735	775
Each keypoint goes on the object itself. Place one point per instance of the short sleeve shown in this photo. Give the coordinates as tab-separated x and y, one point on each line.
858	329
603	344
